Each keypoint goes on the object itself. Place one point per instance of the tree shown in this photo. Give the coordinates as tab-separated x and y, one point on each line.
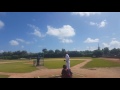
24	54
114	52
63	52
50	52
57	51
97	53
44	50
106	52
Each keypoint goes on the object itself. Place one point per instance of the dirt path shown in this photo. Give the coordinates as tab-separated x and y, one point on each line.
96	72
78	72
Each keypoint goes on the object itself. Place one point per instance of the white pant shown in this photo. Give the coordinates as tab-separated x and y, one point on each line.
68	64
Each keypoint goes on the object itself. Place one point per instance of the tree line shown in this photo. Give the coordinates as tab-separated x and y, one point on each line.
105	52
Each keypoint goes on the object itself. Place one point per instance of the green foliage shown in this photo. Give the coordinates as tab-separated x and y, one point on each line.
97	53
97	62
61	53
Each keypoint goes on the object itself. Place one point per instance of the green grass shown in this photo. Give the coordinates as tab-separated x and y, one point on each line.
4	76
16	67
18	60
84	57
24	66
59	64
96	62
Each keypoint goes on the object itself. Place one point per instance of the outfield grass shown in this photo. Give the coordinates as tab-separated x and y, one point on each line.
18	60
16	67
85	57
4	76
97	62
59	64
23	66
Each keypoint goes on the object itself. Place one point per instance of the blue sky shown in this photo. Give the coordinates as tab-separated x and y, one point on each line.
33	31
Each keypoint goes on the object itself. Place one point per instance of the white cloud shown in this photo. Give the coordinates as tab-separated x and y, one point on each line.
106	45
20	40
66	41
115	42
23	41
85	13
100	25
32	26
14	43
62	33
89	40
65	31
1	24
112	44
36	31
92	23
